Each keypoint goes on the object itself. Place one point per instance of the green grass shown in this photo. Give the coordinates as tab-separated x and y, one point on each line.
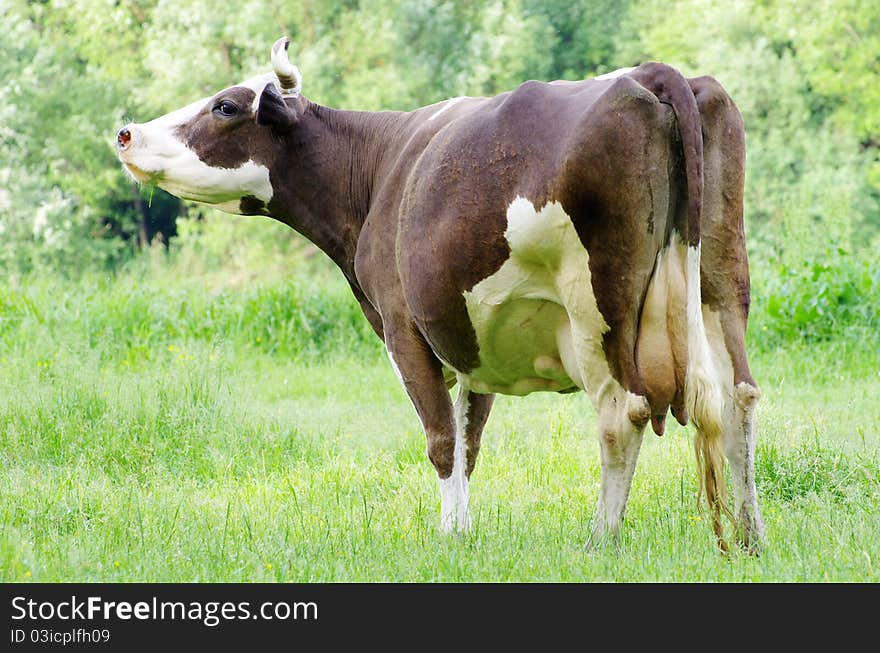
158	428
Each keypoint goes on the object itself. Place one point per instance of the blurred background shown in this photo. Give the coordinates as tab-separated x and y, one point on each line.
805	76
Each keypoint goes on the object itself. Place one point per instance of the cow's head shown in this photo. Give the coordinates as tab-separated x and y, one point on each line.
219	150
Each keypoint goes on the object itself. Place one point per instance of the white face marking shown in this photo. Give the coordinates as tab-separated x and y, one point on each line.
156	155
153	145
454	492
615	73
221	187
537	321
448	105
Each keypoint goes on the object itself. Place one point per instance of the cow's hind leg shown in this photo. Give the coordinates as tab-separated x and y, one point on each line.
739	425
740	433
740	451
622	416
725	295
622	419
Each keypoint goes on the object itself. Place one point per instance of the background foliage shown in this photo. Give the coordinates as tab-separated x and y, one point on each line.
804	76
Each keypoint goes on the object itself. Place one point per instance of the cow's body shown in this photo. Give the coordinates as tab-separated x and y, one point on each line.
543	239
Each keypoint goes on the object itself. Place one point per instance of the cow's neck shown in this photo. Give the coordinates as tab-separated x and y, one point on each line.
328	175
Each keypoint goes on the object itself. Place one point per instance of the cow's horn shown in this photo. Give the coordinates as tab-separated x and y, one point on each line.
288	75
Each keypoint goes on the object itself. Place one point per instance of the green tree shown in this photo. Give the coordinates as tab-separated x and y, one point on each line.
807	180
72	72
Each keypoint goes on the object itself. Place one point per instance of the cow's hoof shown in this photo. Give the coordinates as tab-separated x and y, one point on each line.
750	532
451	524
602	540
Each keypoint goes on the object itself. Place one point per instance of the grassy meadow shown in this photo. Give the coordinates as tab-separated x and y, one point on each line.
171	424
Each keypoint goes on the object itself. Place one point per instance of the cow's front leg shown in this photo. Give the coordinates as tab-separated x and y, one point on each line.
421	374
454	494
471	412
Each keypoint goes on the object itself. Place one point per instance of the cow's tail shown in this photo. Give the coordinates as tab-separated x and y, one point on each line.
703	393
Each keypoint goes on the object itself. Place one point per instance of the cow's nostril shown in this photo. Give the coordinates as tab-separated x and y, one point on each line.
123	138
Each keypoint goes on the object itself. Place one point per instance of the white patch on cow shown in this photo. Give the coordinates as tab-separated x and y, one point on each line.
537	322
177	117
144	159
615	73
448	104
722	365
196	181
743	437
694	298
454	490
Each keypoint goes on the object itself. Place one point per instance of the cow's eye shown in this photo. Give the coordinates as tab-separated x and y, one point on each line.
225	108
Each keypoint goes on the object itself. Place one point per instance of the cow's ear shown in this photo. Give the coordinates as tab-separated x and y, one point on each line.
272	110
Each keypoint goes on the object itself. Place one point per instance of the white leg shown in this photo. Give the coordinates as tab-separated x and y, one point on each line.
621	426
740	439
740	436
454	514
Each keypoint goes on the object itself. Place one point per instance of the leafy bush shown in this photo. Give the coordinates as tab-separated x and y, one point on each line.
836	296
125	317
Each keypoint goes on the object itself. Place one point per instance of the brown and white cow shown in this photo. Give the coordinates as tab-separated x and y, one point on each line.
548	238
